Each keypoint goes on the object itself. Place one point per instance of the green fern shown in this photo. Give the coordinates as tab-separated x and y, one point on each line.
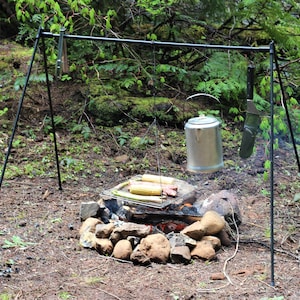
224	76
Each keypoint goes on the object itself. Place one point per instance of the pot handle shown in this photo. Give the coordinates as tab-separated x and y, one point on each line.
203	94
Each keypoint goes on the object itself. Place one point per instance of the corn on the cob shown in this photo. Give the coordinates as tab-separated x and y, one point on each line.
140	189
124	194
158	179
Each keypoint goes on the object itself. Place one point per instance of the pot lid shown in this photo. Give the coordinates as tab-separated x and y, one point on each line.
202	120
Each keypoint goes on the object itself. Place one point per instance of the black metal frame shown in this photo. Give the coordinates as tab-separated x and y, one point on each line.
271	49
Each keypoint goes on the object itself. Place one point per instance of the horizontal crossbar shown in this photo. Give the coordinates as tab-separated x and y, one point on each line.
159	43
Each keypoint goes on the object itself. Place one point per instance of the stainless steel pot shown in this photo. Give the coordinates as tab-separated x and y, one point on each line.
204	144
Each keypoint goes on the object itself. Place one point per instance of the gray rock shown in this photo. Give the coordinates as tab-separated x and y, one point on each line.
180	254
224	203
126	229
178	239
89	209
104	230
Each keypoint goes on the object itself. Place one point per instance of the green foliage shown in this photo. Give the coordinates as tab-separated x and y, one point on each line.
59	122
281	128
36	78
141	143
64	295
82	128
224	76
174	71
16	242
6	296
54	14
122	137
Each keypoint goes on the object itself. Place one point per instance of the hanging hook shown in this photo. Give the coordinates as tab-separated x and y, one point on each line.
202	94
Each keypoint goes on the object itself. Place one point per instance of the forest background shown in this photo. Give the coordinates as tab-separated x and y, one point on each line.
174	72
101	88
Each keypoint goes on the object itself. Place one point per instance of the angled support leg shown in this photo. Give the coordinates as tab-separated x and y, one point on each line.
51	113
20	107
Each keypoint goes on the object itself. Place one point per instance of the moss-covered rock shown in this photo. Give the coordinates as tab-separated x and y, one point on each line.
14	56
111	110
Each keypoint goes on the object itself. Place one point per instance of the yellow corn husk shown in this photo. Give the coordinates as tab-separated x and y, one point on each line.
124	194
140	189
158	179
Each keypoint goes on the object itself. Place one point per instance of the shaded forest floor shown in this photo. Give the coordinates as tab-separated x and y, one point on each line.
40	253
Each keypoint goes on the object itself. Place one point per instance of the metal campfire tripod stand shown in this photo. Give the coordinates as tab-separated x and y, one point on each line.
271	49
38	37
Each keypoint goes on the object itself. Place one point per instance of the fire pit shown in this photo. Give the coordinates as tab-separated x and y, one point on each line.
153	220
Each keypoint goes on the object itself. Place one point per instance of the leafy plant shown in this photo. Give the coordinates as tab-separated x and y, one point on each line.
36	78
122	136
82	128
140	142
59	122
16	242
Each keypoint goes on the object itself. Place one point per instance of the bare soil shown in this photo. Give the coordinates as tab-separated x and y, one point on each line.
54	266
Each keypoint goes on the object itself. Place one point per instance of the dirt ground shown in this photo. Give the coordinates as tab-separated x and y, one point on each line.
54	266
45	261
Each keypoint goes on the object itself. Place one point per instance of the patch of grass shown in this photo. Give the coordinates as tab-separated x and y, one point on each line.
64	295
93	280
6	296
56	220
16	242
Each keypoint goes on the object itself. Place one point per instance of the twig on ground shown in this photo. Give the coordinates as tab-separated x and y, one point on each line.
107	293
213	289
236	247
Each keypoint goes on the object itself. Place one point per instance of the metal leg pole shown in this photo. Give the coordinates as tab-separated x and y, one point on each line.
286	110
272	162
51	113
20	106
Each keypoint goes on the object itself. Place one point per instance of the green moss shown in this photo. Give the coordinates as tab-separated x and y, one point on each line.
112	110
11	52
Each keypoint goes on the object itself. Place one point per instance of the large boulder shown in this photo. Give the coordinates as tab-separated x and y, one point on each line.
210	224
89	225
224	203
204	250
122	250
156	247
